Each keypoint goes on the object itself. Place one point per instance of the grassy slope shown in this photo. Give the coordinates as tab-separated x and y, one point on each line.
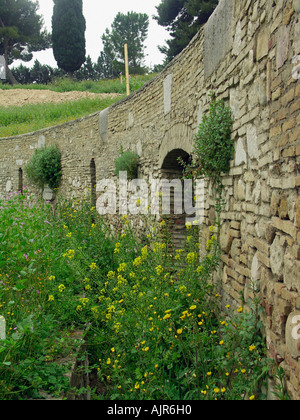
28	118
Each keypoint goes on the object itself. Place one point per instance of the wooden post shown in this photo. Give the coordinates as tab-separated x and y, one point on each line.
127	70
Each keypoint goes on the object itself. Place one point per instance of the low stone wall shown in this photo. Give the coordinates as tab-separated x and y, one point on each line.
248	54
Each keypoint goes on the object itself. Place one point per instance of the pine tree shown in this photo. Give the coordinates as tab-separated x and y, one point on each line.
183	19
21	32
68	34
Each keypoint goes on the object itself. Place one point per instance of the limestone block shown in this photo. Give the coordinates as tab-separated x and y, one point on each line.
277	257
253	151
256	194
48	193
168	82
8	186
237	39
283	39
41	142
296	5
225	237
218	36
103	124
270	233
2	328
297	213
291	272
292	334
240	156
256	270
241	190
262	47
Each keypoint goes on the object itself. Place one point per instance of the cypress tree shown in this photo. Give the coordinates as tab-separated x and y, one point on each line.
68	34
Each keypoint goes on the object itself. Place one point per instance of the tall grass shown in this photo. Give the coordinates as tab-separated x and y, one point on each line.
19	120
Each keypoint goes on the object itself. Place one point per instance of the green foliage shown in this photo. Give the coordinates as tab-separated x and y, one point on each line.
183	19
132	29
68	34
19	120
21	31
155	329
214	148
127	162
45	167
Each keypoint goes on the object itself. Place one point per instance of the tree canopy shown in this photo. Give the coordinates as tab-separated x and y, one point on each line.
68	34
132	29
183	19
21	31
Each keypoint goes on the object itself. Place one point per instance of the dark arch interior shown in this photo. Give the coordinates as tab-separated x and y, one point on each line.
172	169
171	160
93	181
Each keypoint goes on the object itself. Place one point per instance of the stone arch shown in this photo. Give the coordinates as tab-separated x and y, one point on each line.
173	206
180	136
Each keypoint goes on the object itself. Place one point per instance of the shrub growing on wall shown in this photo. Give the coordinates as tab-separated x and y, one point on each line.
45	167
127	162
214	148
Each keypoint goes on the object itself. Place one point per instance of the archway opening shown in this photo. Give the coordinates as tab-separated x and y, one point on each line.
20	181
173	204
93	181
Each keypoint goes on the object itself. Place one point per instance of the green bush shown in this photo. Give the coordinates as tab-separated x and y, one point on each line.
45	167
127	162
214	147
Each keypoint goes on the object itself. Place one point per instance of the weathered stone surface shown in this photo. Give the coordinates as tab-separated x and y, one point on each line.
292	334
225	237
296	5
252	142
218	36
291	272
262	43
168	93
48	193
241	156
103	124
276	257
2	328
283	40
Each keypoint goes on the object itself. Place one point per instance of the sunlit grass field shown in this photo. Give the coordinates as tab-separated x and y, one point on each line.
28	118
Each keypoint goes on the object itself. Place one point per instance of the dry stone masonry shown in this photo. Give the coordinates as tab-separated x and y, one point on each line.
249	55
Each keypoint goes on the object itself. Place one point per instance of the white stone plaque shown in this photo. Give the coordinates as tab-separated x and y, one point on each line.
2	328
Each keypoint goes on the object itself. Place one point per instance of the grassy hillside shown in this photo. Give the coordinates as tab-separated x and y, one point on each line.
17	120
101	86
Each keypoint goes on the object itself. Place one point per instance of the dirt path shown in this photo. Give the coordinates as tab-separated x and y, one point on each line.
19	97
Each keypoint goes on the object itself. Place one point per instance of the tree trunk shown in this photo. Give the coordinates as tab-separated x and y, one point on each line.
9	74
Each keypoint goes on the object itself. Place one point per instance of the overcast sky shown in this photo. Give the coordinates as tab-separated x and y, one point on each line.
99	15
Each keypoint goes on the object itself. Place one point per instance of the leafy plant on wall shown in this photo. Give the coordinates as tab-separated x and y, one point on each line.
44	168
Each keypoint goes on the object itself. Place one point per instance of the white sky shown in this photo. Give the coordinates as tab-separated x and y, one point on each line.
99	15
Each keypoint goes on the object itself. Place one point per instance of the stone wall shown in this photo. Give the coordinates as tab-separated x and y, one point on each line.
248	53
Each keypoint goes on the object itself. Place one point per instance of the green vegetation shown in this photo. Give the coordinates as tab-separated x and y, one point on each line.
21	32
19	120
66	84
28	118
155	330
68	34
183	19
45	167
127	162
